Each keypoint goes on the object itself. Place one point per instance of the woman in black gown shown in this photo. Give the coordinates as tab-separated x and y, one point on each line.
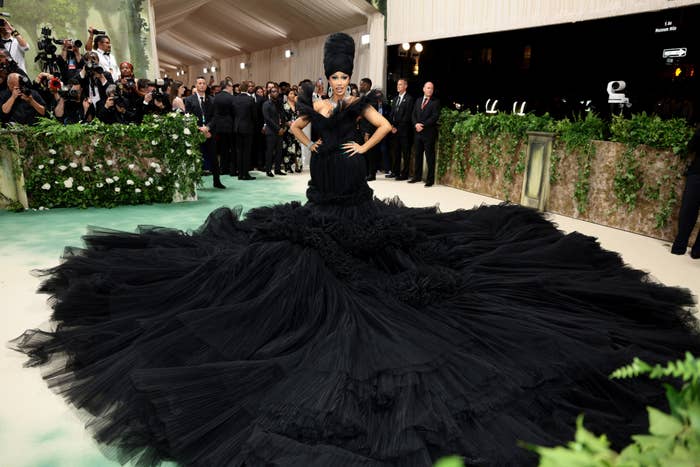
412	334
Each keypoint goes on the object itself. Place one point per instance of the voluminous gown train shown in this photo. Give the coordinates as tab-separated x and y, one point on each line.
409	334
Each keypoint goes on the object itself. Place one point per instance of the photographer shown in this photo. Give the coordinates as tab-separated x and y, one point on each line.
19	102
7	66
156	101
93	78
102	45
48	87
116	108
71	61
12	41
73	105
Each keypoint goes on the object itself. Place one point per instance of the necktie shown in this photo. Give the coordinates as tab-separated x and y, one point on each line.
106	54
425	102
201	105
5	41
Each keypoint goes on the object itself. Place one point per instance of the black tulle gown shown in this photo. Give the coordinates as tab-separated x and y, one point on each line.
410	334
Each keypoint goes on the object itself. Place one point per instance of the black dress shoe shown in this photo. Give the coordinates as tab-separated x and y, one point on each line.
279	172
245	177
390	175
220	186
414	180
695	252
428	184
401	178
269	174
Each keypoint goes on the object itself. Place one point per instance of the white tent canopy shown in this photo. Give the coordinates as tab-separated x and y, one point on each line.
195	34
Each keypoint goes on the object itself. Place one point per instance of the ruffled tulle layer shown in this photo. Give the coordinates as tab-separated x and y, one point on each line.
363	335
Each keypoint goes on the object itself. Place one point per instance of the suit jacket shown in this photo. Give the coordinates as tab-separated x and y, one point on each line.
272	117
244	111
401	115
223	114
427	116
203	113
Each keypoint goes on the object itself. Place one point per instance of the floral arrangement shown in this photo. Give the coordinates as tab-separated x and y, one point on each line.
108	165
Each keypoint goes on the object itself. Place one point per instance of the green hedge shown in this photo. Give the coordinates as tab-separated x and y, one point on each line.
108	165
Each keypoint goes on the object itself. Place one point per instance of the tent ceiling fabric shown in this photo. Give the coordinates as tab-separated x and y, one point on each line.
197	31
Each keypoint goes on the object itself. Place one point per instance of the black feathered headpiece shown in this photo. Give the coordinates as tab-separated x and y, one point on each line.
338	54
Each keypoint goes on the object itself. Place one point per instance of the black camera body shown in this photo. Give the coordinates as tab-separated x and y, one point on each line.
25	85
69	93
161	88
77	43
97	32
93	67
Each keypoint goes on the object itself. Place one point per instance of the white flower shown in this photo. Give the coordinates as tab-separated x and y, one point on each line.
158	170
81	188
98	166
41	166
137	190
177	185
189	152
110	162
160	188
117	189
115	178
86	168
99	184
131	166
77	153
187	143
109	181
68	183
175	137
73	165
51	161
154	143
42	208
150	179
46	186
129	182
154	164
52	152
147	183
62	168
187	131
172	150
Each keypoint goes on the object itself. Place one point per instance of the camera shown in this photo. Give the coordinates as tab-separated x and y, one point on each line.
93	67
25	85
77	43
161	88
52	83
97	32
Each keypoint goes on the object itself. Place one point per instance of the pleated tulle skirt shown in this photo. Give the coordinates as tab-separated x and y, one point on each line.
369	335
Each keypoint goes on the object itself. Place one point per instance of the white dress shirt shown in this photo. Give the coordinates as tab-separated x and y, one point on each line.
109	64
16	52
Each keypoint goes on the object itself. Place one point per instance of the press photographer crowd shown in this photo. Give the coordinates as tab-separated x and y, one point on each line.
74	85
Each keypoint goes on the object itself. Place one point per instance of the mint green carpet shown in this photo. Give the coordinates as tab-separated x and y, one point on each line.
37	429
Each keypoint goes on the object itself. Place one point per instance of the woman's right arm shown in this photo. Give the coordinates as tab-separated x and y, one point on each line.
297	130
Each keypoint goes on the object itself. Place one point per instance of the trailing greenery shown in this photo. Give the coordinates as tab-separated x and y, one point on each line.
487	144
576	137
107	165
490	144
673	439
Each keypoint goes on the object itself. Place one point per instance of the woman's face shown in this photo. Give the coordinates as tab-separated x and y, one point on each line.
181	90
260	92
292	96
339	83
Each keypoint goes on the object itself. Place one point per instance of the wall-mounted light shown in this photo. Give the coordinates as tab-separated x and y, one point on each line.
418	47
406	46
364	39
205	69
242	65
288	53
213	68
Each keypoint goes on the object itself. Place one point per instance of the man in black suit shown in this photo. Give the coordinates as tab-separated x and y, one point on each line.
273	133
222	127
243	126
426	112
401	132
200	105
